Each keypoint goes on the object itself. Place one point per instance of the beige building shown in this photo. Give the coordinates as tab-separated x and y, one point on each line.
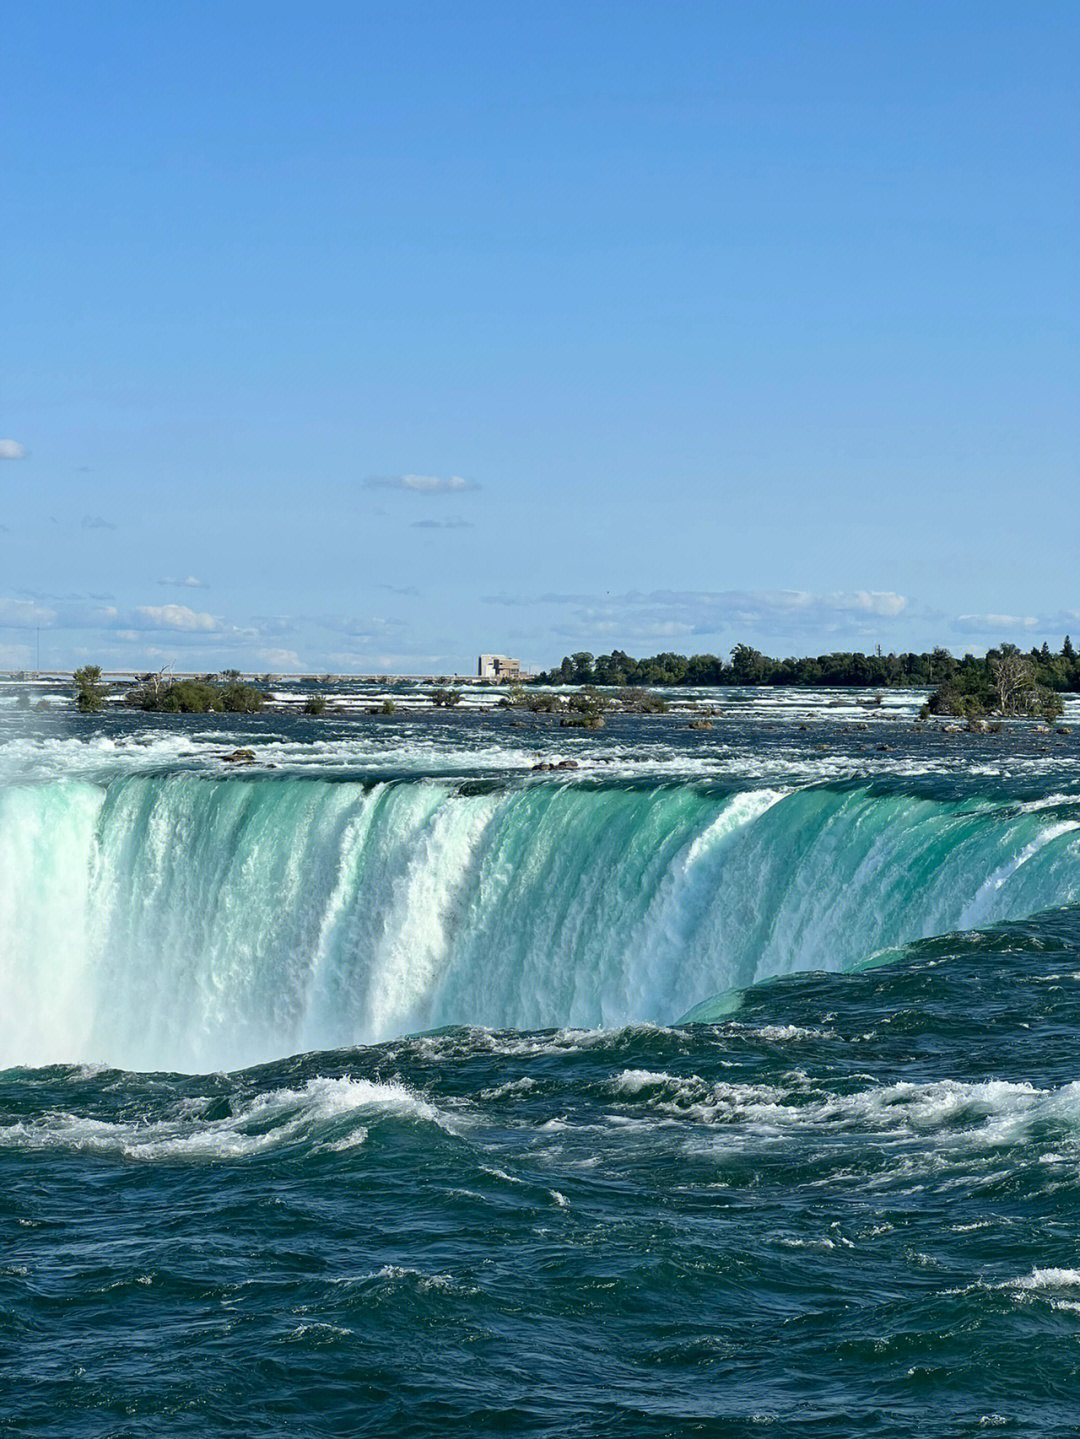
498	667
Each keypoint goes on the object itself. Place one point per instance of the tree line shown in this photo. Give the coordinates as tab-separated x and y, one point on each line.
934	669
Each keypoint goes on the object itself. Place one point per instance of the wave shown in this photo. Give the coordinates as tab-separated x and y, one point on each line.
992	1112
191	923
322	1115
936	1122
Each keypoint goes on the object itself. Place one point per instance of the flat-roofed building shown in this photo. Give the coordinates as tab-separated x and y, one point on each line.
498	667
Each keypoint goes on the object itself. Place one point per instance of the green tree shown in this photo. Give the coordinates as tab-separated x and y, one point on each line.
242	699
89	693
1049	705
942	666
749	666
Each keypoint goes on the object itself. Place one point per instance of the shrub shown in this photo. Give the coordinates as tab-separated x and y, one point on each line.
315	705
1049	705
642	701
89	694
514	698
950	699
197	697
89	701
545	703
242	699
583	721
586	709
587	701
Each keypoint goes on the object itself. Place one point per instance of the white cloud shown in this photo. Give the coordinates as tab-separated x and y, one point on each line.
993	624
130	637
451	524
884	603
23	614
422	484
280	659
11	450
596	630
177	617
360	628
669	614
271	627
191	583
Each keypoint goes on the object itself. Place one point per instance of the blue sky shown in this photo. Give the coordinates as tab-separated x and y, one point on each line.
370	336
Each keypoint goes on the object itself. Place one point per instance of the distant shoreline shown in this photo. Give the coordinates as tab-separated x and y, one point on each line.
254	677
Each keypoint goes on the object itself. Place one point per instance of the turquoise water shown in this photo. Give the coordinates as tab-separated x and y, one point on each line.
725	1084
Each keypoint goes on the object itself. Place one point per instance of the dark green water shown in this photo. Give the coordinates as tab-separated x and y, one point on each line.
849	1204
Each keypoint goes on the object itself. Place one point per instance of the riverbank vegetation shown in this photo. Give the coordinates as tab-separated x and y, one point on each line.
1052	671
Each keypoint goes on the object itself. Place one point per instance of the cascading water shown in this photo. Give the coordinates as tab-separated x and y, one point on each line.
193	923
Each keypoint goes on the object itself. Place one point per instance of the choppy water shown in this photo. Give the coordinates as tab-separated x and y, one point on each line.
741	1090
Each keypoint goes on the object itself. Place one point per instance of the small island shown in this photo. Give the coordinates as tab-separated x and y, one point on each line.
226	693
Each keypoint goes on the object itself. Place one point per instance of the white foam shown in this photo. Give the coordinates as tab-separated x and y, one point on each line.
1048	1279
1059	1288
269	1121
984	1114
403	1274
778	1033
415	748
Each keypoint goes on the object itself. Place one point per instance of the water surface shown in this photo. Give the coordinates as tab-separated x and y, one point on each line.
726	1083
